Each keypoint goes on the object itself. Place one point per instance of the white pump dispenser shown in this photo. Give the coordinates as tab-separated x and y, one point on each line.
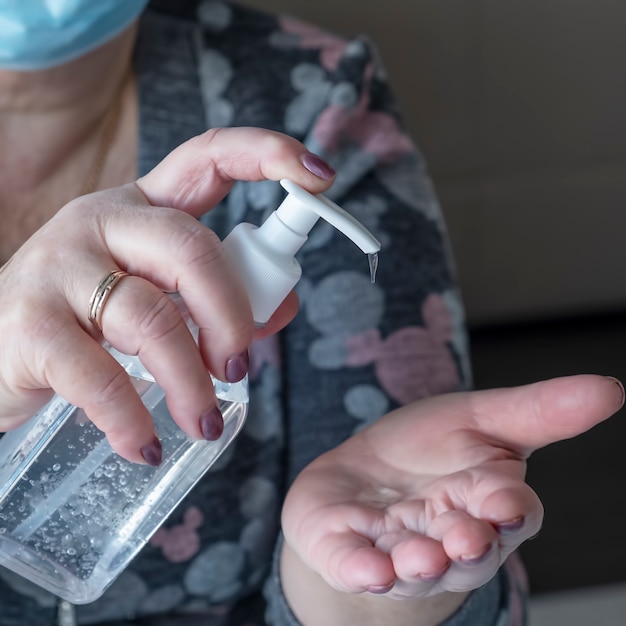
265	256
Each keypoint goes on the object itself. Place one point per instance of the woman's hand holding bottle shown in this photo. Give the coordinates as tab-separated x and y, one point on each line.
148	230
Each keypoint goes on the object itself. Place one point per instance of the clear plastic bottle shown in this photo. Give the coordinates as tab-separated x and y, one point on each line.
73	513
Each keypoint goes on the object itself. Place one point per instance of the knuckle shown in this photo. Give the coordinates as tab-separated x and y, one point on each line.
110	386
159	319
201	172
211	135
196	245
279	145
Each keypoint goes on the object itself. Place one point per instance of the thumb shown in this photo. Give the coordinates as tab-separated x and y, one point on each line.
200	172
532	416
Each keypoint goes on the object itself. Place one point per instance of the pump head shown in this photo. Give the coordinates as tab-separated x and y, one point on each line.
265	256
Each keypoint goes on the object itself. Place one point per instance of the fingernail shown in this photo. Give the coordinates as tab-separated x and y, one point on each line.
620	387
153	452
212	424
316	165
436	576
511	526
476	559
237	367
380	589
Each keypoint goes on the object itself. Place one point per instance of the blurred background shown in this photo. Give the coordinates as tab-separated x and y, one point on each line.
519	107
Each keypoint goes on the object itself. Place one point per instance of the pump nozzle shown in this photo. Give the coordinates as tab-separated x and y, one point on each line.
301	209
264	256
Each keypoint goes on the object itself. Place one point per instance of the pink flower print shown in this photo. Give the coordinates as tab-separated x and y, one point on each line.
437	318
180	543
375	132
413	362
331	47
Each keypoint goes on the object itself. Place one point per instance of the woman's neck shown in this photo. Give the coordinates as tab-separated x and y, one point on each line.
48	116
51	136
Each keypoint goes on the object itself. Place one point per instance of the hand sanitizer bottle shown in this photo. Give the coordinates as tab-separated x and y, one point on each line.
73	513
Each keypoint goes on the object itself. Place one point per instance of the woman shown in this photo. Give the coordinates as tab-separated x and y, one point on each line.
426	503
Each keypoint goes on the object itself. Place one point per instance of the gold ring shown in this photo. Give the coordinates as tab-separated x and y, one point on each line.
100	295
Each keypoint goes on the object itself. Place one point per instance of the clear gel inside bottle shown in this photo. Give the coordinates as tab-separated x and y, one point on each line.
73	513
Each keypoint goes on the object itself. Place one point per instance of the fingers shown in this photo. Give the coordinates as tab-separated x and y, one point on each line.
423	566
141	230
419	561
514	510
198	174
141	320
472	546
418	547
90	378
457	553
350	563
407	563
177	253
530	417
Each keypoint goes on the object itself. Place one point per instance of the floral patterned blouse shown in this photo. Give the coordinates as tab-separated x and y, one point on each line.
354	352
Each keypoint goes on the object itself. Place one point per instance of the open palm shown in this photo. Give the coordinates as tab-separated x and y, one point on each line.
432	496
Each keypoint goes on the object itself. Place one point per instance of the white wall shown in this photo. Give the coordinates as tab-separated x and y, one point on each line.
520	108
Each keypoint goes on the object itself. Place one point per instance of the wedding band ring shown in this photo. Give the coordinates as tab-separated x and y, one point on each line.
100	295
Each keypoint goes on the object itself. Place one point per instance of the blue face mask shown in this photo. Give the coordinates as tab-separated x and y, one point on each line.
38	34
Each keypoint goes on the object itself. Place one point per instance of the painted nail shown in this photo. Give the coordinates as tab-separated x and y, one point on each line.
237	367
511	526
477	559
380	589
212	424
153	452
620	387
316	165
435	576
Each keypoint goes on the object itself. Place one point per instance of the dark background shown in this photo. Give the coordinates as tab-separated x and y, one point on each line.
582	481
